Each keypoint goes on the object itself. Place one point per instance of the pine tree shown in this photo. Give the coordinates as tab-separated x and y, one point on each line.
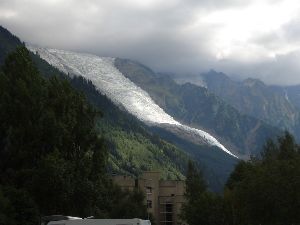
195	188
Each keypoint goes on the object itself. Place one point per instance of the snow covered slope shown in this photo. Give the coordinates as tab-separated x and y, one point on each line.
111	82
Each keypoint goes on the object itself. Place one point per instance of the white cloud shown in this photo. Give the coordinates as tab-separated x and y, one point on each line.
7	14
236	29
237	36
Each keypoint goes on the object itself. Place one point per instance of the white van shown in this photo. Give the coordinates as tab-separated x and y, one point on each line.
66	220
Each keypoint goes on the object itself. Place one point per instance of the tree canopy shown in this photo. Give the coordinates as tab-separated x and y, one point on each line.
261	191
201	206
265	190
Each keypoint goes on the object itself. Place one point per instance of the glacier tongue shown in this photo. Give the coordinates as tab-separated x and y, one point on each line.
111	82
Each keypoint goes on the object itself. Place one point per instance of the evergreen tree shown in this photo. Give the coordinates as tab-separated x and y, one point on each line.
130	205
201	206
195	183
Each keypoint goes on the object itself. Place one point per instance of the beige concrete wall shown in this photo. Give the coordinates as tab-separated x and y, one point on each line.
158	191
172	192
151	179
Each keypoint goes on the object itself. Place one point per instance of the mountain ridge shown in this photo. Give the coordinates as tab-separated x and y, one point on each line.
110	81
198	107
253	97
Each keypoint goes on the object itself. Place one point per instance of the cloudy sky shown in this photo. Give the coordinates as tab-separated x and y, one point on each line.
243	38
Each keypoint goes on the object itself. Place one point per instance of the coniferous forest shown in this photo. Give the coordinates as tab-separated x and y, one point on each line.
51	158
263	190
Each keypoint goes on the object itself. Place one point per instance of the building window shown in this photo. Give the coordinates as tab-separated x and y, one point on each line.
166	214
148	190
169	214
149	204
169	207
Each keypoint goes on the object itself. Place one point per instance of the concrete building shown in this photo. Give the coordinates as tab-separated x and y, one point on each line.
164	198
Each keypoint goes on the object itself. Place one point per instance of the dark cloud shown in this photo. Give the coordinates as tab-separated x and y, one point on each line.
165	35
282	69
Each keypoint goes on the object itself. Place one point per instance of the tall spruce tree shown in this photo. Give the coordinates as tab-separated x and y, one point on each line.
201	206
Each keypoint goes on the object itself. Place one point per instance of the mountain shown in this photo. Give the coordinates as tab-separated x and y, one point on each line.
8	43
139	147
111	82
133	149
199	108
134	146
291	93
125	134
254	98
126	95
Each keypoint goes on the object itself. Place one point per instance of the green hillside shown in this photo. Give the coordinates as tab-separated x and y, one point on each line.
133	147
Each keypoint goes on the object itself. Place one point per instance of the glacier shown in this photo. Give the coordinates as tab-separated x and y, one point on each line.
122	91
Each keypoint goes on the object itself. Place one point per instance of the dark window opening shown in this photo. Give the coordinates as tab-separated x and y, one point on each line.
169	207
149	204
148	189
169	214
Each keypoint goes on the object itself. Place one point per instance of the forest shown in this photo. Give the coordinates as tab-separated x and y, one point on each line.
261	191
52	160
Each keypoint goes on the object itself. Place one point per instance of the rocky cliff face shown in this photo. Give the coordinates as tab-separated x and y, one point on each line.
253	97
